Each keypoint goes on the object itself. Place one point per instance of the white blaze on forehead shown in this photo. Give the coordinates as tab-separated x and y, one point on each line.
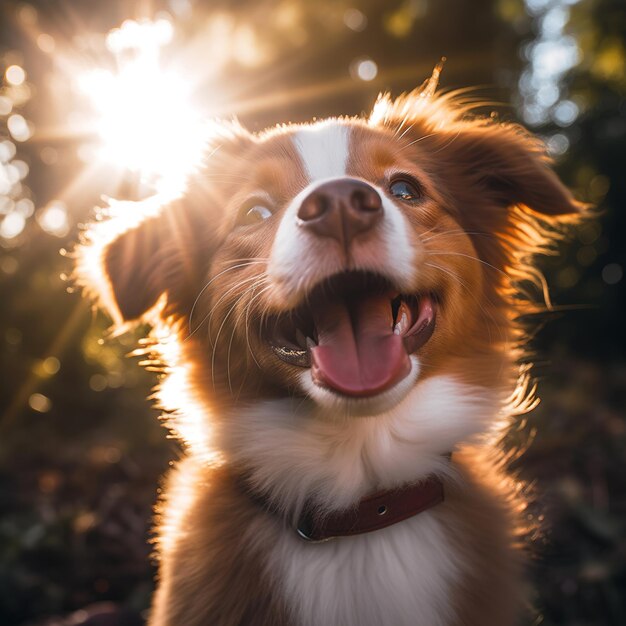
323	149
299	259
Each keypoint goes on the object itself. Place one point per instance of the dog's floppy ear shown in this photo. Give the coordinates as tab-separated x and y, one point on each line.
504	161
502	185
506	195
510	167
140	254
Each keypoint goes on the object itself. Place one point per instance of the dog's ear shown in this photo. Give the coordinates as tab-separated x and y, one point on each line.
505	193
509	167
503	161
140	254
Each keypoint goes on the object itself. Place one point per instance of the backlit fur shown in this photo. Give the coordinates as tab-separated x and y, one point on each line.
206	282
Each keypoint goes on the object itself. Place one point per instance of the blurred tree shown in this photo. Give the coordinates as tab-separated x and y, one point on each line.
579	431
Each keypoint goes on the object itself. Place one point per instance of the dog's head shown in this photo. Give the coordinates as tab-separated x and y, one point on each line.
347	260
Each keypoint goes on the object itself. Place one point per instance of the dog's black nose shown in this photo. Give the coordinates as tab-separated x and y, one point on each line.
341	209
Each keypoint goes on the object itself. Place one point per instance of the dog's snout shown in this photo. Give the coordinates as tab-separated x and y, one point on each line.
341	210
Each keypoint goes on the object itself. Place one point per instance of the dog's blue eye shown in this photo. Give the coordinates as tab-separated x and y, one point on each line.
405	190
257	213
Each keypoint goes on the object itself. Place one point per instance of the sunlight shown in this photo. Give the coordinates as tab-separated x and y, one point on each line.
145	119
176	389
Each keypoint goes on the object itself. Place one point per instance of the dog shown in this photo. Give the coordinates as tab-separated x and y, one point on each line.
335	306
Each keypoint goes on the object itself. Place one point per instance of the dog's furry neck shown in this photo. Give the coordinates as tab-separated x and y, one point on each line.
294	455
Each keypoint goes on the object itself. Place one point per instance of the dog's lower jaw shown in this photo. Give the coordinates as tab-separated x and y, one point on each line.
226	561
332	404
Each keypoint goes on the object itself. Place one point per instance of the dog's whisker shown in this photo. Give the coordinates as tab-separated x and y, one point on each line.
247	326
215	346
251	279
209	315
245	310
216	341
460	232
405	131
210	282
468	256
266	309
449	143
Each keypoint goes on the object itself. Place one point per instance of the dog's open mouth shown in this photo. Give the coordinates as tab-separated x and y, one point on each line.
355	332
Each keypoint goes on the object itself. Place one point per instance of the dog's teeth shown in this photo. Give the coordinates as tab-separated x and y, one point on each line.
300	338
310	343
403	324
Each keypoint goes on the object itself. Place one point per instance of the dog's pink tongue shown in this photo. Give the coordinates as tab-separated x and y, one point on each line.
357	352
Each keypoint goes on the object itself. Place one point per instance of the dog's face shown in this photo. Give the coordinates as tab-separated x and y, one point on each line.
347	261
341	267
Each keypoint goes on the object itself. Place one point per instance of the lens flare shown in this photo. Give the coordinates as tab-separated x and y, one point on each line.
145	122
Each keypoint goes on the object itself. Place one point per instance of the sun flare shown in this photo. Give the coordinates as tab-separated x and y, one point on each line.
144	117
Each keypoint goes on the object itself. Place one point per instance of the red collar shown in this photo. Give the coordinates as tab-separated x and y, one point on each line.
376	511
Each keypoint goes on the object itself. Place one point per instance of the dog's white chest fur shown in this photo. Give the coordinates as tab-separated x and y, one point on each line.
400	575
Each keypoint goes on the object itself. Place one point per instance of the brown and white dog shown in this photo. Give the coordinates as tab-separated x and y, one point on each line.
335	308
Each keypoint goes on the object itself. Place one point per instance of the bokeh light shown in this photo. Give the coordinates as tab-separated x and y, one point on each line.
15	75
40	403
20	129
612	273
12	225
5	105
7	151
54	219
355	20
550	56
46	43
364	69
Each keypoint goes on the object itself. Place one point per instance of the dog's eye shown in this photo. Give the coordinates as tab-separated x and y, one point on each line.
256	214
405	190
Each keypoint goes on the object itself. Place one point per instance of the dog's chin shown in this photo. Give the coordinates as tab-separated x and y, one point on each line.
335	405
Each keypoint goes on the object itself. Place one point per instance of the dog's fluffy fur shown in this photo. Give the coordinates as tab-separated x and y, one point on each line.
206	280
